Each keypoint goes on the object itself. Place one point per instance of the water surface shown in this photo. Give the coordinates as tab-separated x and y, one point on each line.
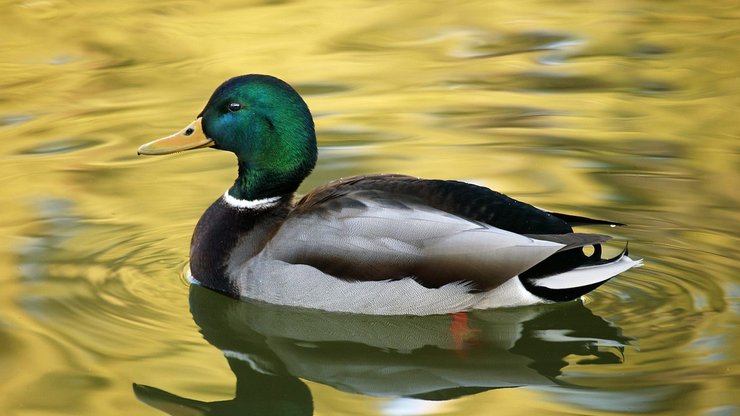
619	110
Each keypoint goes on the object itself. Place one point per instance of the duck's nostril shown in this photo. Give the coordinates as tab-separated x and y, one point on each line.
189	131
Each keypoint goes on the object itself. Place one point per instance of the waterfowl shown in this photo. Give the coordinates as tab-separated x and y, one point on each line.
375	244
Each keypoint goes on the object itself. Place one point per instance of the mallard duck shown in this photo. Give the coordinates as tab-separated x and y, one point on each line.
375	244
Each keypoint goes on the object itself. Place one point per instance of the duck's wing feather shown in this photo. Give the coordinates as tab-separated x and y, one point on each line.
371	235
365	233
475	203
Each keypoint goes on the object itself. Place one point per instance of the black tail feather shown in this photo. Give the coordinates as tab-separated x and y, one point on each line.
576	220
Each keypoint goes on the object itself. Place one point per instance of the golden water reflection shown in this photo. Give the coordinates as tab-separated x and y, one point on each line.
433	358
620	110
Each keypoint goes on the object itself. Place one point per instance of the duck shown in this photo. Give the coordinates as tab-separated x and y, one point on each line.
382	244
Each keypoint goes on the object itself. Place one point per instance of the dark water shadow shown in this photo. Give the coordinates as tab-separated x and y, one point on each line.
271	349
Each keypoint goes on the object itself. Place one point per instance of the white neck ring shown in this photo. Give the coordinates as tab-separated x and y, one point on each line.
255	204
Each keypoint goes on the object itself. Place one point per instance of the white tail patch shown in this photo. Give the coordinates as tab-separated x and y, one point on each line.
588	275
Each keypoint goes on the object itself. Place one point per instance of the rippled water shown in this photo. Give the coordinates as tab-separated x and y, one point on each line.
620	110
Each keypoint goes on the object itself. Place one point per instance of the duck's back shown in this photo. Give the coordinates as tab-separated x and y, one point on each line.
473	202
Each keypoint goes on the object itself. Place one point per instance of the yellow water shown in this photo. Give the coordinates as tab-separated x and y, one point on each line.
623	110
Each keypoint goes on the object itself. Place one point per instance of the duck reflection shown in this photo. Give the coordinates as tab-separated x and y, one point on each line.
271	348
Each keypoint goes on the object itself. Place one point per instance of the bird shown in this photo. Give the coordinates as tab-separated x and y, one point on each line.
381	244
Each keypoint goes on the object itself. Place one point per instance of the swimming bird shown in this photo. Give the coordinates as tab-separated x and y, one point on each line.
374	244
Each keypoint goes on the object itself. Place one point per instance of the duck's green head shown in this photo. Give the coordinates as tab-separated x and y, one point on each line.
265	123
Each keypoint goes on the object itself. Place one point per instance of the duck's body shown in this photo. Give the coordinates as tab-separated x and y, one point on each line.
384	244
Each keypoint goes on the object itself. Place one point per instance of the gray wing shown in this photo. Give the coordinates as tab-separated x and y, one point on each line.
372	235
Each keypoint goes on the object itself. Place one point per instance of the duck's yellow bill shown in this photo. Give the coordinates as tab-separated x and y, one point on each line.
191	137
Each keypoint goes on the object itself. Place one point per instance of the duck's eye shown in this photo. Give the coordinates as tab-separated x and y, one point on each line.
234	107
